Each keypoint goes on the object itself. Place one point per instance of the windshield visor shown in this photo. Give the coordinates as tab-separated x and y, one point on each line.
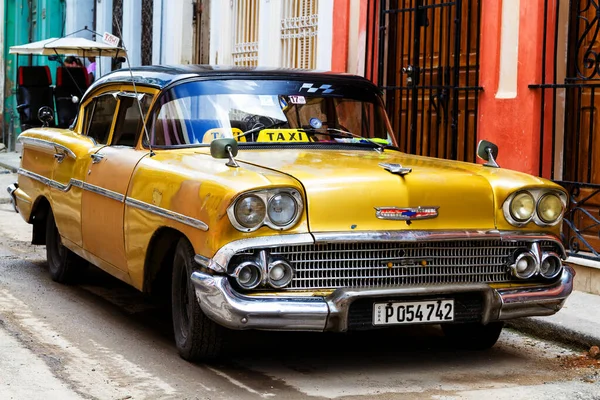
267	111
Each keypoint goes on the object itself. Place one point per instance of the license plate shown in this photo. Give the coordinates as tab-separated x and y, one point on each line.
416	312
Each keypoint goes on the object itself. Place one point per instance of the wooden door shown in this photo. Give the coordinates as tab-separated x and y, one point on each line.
430	74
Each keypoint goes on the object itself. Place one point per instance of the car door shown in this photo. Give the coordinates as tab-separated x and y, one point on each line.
109	171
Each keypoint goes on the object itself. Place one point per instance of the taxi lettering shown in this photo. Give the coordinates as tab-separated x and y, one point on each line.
282	135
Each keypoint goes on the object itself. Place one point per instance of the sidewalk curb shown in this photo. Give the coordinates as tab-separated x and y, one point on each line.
8	167
544	329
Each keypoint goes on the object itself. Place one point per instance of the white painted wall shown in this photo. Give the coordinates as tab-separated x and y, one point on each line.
103	24
132	30
79	14
509	50
269	33
221	29
177	33
325	35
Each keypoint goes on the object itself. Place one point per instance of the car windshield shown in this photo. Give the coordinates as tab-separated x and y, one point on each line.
270	111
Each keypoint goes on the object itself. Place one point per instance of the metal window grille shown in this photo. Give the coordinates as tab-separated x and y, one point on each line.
299	27
569	128
424	55
245	38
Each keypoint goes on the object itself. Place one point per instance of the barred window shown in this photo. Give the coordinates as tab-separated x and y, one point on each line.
245	37
299	26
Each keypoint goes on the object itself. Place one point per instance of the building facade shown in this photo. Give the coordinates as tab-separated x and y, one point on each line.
24	21
521	73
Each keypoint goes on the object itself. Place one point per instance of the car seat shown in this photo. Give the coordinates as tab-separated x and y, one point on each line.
70	82
34	91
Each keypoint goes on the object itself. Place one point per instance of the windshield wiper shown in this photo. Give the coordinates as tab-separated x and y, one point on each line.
333	132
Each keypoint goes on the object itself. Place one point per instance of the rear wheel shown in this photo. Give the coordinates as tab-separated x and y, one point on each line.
473	336
196	336
63	264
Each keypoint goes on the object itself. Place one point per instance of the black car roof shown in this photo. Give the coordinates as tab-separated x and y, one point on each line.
161	76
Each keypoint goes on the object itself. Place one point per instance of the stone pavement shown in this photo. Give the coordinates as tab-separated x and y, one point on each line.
577	324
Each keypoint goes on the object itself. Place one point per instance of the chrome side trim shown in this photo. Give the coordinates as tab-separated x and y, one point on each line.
49	182
116	196
196	223
48	145
220	302
104	192
72	183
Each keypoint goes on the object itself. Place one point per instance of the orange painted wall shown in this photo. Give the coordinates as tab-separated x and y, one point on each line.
513	124
339	48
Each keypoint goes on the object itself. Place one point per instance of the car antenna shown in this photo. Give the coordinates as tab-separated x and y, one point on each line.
137	97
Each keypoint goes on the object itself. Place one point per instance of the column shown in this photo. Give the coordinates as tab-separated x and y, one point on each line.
104	16
132	30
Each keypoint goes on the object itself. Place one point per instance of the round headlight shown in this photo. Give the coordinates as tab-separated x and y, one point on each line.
551	266
250	211
280	274
522	207
282	209
549	208
248	275
525	266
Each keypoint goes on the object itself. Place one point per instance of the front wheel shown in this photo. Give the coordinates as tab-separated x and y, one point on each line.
196	336
473	336
63	264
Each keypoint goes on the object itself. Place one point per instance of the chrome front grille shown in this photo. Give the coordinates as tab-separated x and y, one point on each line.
381	264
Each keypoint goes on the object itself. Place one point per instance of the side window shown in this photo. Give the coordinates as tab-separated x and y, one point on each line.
130	122
101	117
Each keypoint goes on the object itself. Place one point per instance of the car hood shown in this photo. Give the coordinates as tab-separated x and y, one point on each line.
344	189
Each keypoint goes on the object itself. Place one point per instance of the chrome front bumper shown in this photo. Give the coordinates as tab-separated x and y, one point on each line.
220	302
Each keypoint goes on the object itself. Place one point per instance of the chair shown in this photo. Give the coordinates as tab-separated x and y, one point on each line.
34	91
70	81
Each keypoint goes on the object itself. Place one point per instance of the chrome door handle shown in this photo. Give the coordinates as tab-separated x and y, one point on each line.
59	157
96	158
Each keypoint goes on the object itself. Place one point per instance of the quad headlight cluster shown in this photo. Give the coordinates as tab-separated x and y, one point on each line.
276	274
529	264
544	207
278	209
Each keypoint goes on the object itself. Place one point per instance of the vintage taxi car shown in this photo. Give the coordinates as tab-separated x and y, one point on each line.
278	200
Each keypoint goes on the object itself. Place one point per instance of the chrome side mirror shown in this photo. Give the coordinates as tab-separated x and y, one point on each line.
225	148
488	151
45	115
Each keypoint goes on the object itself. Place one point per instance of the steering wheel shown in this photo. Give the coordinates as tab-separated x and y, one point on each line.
45	115
255	122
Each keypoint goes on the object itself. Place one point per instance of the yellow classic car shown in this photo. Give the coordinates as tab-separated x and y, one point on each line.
278	200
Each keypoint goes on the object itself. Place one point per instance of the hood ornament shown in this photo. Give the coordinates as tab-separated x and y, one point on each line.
406	214
396	168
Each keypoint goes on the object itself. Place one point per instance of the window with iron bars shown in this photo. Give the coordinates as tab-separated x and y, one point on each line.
245	37
299	27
